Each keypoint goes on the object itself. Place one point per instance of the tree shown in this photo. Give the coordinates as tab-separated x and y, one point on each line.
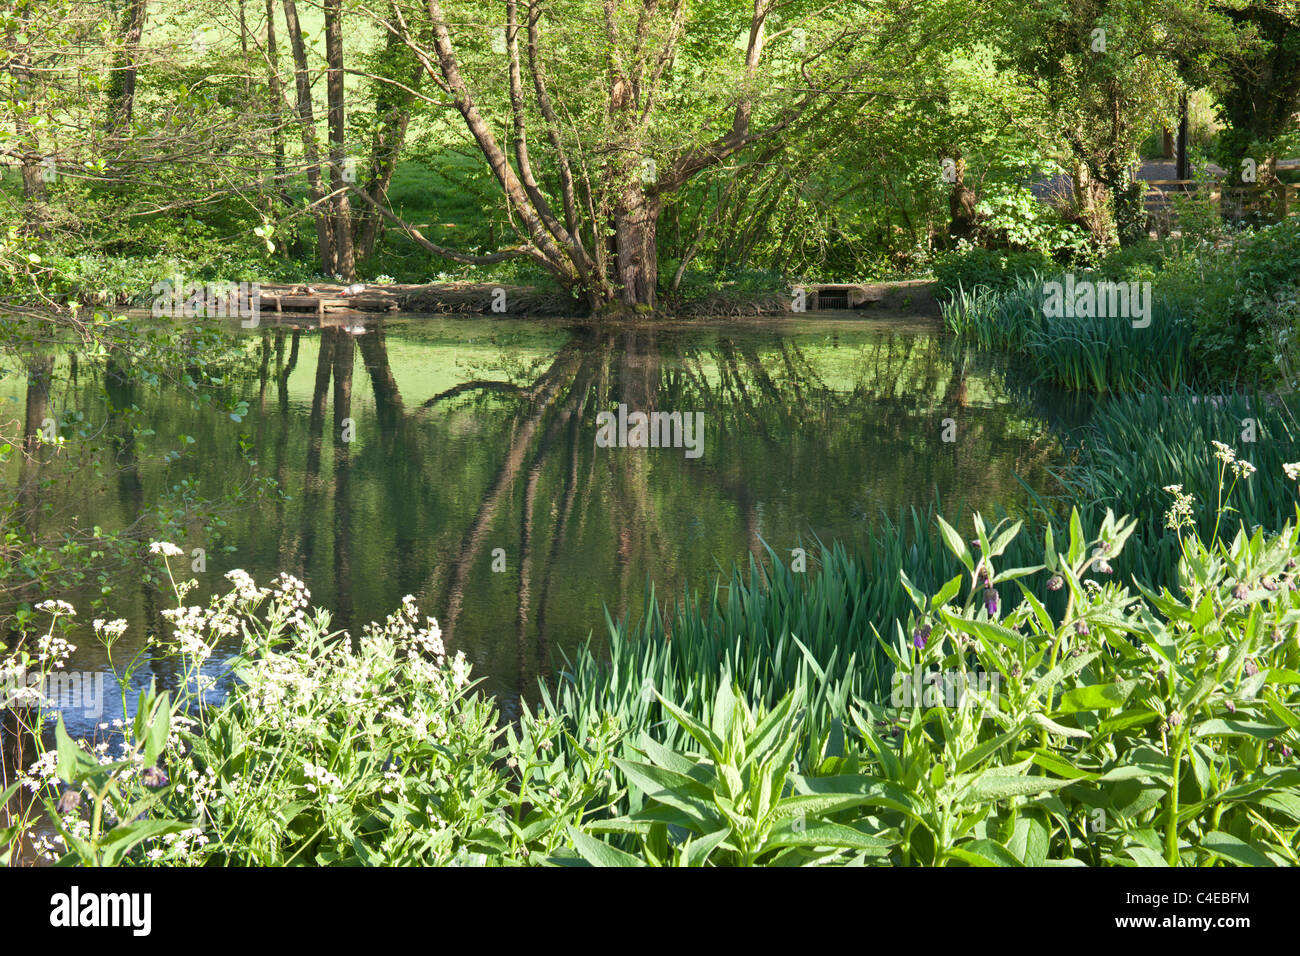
1107	72
633	100
1259	88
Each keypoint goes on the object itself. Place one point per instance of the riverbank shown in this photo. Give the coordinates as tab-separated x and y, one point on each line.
911	298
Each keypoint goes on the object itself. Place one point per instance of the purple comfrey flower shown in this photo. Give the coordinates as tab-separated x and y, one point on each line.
991	602
1252	667
1240	591
920	636
68	802
1081	627
153	777
1055	582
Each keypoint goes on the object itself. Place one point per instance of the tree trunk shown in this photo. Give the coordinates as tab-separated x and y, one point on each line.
344	258
122	82
277	104
307	123
962	203
636	223
393	111
1183	169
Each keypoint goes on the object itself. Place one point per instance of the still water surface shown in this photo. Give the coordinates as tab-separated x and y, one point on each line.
455	459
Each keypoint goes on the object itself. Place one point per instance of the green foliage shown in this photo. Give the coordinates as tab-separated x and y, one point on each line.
1127	468
1221	315
1092	724
326	752
1132	728
737	803
1081	353
972	269
1239	300
1013	217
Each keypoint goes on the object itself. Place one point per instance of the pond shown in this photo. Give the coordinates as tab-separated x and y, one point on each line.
462	461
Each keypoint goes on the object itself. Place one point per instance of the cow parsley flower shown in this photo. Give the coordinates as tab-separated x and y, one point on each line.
1180	513
57	607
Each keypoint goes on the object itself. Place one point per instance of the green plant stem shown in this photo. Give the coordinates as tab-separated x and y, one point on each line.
1171	822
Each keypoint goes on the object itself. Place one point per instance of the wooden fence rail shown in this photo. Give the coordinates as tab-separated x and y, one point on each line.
1278	200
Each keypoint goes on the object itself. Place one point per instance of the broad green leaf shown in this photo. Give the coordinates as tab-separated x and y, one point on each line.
1228	847
1078	543
1095	697
600	854
696	852
992	785
814	805
119	841
1052	727
158	729
1029	841
1058	765
984	853
693	727
674	789
1125	720
1236	728
1145	856
825	833
946	593
956	544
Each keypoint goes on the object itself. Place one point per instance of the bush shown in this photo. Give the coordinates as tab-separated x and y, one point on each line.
1223	316
1131	728
973	269
327	751
1085	354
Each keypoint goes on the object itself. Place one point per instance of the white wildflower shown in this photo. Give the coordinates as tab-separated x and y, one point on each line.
57	607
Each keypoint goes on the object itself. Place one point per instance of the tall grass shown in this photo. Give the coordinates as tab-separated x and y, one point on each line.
770	630
1085	353
1135	446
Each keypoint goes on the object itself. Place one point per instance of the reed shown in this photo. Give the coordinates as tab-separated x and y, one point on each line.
1094	354
821	634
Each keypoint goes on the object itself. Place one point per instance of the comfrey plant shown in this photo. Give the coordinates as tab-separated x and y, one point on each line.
329	749
1126	726
739	802
1136	727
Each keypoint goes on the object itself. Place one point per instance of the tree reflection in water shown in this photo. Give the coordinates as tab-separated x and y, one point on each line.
475	448
804	434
